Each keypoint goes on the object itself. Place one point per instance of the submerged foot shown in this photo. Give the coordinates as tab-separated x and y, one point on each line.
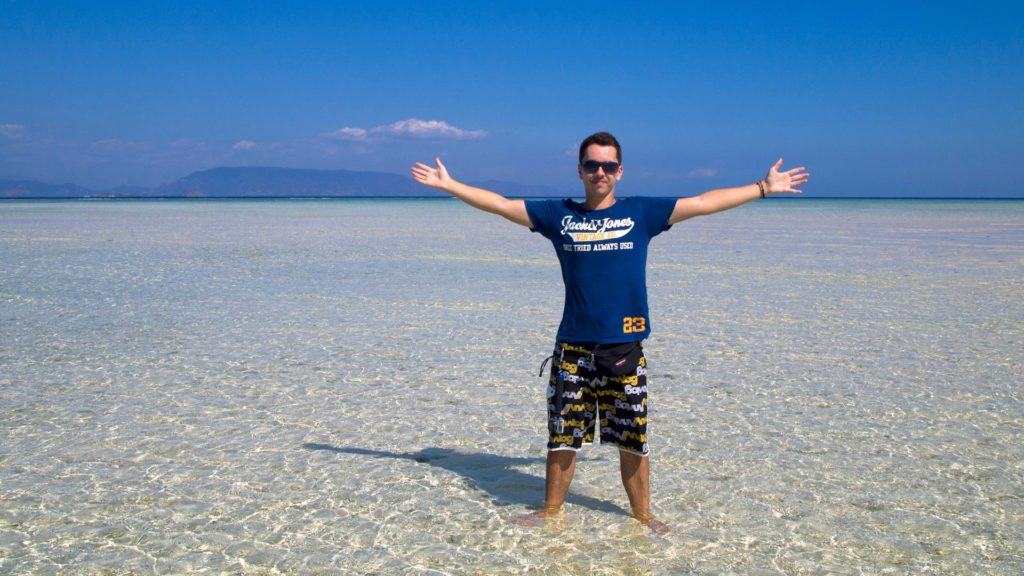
539	517
656	526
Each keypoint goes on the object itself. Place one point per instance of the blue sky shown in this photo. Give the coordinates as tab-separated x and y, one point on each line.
875	98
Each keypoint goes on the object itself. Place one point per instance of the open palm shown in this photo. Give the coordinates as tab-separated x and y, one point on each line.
785	182
433	177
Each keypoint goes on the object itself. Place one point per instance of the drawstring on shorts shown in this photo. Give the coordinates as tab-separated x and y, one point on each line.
557	422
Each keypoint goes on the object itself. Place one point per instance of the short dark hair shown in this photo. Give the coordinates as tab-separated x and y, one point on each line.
601	139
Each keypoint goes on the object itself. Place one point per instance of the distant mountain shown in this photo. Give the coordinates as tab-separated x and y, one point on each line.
33	189
126	192
289	182
265	182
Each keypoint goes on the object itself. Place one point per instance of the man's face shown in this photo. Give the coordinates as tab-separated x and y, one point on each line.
599	183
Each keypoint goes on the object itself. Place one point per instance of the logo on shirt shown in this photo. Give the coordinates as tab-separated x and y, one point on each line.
595	230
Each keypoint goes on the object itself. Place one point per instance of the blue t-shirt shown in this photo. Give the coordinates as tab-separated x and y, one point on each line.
603	255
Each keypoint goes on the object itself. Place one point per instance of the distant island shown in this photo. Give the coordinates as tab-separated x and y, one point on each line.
266	182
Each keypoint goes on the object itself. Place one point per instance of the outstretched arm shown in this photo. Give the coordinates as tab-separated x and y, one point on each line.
725	198
514	210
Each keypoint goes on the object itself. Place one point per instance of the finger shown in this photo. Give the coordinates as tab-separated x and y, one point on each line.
795	170
438	160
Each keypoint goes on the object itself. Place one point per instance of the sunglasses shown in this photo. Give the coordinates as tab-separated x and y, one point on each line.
591	166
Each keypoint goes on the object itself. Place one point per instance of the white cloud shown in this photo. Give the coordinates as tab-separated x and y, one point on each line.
703	173
244	145
411	128
12	131
428	129
348	134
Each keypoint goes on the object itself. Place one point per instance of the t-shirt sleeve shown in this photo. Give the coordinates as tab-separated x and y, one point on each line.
657	212
542	216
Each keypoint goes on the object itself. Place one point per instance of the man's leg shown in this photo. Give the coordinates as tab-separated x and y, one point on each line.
636	478
561	466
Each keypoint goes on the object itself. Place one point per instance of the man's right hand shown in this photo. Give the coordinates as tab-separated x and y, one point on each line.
433	177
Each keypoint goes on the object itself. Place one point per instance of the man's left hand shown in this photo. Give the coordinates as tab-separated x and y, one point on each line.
785	182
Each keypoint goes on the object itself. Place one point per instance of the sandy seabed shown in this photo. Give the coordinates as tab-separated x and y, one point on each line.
350	387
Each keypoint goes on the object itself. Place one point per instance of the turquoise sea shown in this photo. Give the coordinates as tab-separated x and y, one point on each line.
350	387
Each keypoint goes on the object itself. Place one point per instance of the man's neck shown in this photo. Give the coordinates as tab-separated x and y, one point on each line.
599	203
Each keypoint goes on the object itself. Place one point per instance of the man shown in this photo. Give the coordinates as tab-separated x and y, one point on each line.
598	373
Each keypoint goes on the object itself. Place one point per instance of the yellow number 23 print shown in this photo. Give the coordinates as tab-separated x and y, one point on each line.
634	325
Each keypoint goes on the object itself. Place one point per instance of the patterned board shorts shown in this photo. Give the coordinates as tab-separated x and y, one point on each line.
590	395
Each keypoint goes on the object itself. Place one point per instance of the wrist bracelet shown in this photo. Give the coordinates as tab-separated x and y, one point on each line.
760	186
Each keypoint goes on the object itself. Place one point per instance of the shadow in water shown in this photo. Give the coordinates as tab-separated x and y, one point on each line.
494	475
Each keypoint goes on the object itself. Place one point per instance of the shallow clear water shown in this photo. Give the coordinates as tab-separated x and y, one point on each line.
351	387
